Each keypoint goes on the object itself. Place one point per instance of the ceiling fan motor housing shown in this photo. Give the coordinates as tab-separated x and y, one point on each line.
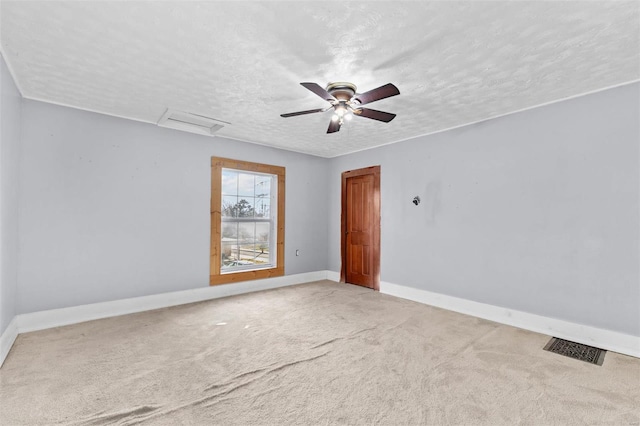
342	91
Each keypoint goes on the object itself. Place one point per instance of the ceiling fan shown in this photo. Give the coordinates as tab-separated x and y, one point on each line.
346	102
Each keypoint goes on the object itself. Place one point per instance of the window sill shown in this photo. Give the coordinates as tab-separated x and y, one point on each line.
246	268
254	274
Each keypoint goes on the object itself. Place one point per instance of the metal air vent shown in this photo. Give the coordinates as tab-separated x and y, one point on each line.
189	122
576	350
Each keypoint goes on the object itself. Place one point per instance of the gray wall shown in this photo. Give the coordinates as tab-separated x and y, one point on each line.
536	211
112	208
10	110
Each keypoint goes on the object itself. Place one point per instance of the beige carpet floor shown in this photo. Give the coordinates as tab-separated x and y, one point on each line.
320	353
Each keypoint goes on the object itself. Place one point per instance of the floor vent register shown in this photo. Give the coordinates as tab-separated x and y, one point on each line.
576	350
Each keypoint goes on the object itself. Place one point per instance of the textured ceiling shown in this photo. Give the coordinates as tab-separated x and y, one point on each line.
242	62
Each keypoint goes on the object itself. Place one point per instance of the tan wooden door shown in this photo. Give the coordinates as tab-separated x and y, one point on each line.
361	227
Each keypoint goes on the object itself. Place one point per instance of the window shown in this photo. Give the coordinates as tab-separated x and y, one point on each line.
247	221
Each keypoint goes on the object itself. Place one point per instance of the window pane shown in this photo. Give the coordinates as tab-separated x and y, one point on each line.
246	184
229	182
247	232
244	207
229	244
263	248
263	186
262	232
262	207
229	206
229	251
262	253
230	230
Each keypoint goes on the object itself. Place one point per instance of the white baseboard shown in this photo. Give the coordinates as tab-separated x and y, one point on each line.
7	339
24	323
592	336
333	276
605	339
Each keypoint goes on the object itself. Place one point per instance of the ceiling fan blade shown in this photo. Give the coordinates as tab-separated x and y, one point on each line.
334	126
375	114
315	88
309	111
381	92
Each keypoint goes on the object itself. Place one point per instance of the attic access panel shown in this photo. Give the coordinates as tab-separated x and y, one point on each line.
190	122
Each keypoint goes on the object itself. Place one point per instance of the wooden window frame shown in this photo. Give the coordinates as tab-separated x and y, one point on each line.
215	275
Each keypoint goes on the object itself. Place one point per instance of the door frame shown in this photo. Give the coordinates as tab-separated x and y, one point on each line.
375	171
